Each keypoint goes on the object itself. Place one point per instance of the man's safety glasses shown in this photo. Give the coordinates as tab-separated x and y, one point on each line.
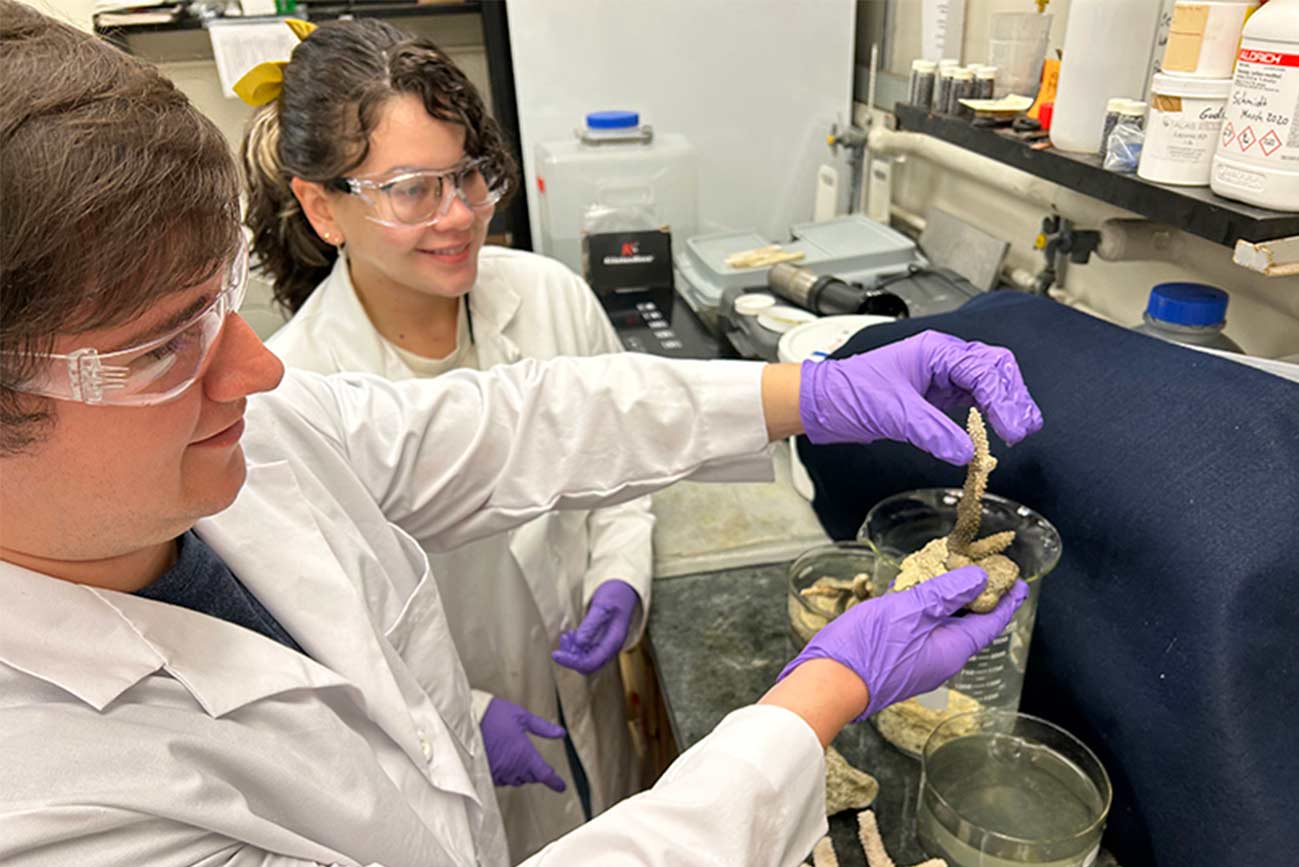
423	198
153	372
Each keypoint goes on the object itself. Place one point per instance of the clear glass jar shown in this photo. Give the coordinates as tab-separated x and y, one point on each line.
842	561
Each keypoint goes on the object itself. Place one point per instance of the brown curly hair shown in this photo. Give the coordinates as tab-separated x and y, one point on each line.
319	130
114	192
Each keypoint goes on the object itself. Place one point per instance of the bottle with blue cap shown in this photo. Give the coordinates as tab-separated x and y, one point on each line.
1190	313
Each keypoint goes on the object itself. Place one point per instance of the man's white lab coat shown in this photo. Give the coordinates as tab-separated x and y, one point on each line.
508	598
138	733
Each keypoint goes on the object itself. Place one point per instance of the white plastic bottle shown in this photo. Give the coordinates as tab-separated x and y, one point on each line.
1258	149
614	162
1107	50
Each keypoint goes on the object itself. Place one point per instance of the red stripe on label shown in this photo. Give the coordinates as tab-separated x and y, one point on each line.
1268	58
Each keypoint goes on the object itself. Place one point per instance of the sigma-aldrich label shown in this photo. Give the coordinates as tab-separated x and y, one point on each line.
1257	160
1260	125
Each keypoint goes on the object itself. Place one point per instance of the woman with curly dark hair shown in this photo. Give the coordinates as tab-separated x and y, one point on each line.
371	175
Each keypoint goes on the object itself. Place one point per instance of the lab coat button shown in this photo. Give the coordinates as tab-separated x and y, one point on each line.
424	746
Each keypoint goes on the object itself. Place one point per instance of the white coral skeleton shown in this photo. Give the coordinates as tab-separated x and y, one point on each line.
959	547
833	596
872	844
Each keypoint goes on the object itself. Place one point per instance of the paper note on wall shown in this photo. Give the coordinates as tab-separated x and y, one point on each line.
942	29
238	46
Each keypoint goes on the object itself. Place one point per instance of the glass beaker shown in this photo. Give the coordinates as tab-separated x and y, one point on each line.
842	561
1001	789
1017	46
994	677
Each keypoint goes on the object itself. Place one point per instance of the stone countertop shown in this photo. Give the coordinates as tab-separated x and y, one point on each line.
719	639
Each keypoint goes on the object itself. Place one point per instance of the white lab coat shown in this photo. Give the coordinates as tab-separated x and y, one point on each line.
138	733
509	597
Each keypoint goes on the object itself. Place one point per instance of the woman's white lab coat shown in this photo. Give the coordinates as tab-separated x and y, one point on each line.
508	598
138	733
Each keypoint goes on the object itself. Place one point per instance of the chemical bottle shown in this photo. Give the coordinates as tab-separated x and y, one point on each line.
1257	160
1107	49
1190	313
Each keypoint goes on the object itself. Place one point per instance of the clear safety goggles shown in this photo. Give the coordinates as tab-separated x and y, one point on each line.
424	198
153	372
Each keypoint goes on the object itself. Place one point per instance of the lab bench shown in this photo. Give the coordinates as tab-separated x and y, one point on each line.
718	640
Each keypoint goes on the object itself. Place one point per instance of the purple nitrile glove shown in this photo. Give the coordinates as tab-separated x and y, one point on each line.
600	635
513	759
908	643
901	392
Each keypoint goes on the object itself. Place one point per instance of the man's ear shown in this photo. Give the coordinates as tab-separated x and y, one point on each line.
319	208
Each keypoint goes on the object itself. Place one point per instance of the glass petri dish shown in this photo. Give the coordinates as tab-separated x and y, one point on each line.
1003	789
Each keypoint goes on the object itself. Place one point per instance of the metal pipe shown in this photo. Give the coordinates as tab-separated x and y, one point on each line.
1138	240
949	156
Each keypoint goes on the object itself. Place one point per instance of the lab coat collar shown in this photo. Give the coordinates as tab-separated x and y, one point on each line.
356	344
96	644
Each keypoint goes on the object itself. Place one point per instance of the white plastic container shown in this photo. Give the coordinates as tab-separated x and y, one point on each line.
1107	49
1204	36
1258	149
614	163
1182	129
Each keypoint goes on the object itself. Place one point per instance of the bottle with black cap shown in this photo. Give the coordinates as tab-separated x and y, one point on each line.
1188	313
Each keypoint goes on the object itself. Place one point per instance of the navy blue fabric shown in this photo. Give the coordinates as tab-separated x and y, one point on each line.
1168	637
201	581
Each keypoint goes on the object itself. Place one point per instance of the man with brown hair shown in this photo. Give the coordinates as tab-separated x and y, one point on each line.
219	640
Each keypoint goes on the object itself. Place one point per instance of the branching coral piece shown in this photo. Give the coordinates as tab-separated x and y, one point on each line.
959	548
868	832
989	545
872	843
969	510
823	854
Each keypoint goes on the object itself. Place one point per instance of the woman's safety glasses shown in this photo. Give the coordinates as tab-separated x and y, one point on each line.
152	372
424	198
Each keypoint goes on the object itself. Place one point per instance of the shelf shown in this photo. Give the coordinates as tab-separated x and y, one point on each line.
309	11
1193	209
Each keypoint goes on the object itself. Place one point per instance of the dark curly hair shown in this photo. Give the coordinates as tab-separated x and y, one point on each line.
319	130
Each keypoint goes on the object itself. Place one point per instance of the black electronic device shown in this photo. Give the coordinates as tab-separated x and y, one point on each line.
662	326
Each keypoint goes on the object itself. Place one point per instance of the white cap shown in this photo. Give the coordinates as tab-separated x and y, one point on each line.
1133	107
985	71
923	65
1177	85
948	61
753	303
1115	104
963	74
